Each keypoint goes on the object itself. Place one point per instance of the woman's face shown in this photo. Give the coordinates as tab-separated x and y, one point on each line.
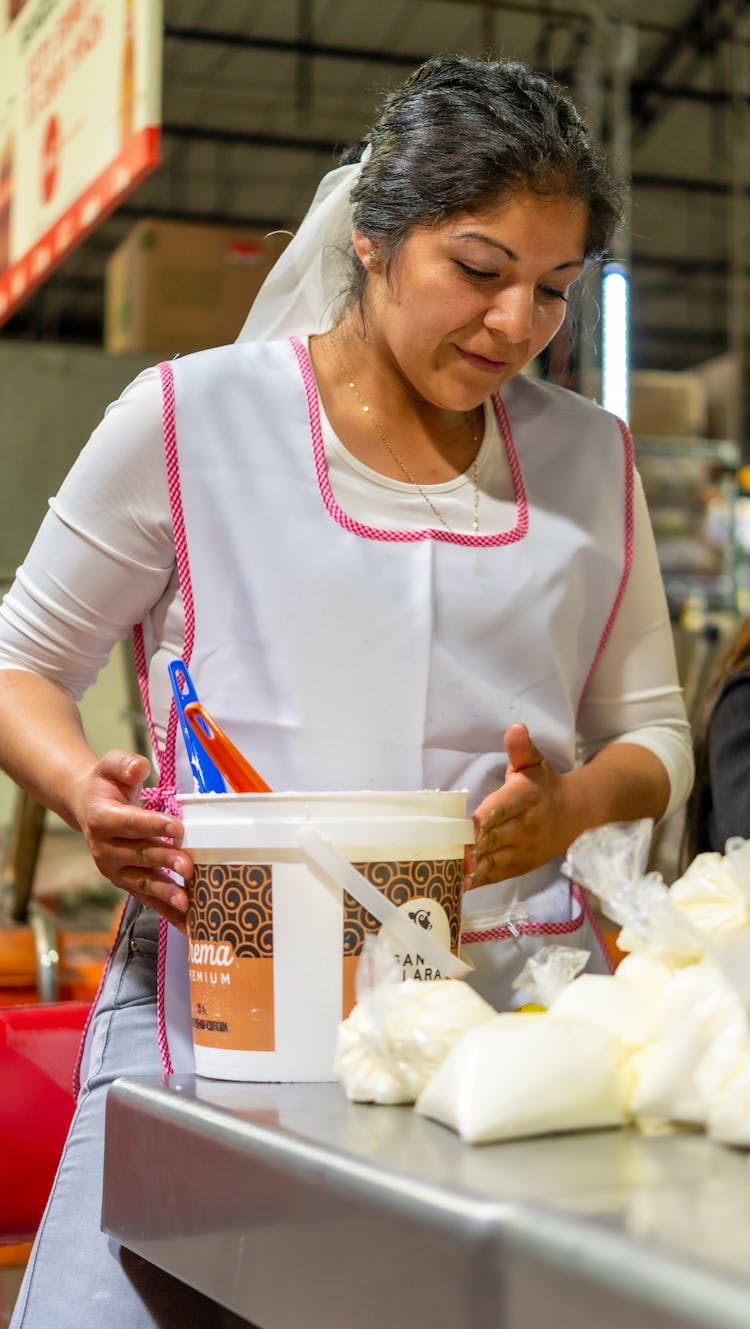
469	302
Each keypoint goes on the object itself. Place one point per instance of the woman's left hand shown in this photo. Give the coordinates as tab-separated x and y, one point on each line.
525	823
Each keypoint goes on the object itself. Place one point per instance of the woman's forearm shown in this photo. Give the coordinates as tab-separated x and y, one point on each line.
44	749
622	782
42	743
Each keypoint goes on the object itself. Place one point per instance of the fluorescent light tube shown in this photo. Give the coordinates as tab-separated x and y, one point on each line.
615	340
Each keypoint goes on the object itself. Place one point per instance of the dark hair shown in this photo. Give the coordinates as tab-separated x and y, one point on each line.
461	133
736	658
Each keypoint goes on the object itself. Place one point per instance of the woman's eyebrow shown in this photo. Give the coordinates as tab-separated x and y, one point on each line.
485	240
497	244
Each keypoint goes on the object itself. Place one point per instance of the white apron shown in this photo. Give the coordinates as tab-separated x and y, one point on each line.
341	656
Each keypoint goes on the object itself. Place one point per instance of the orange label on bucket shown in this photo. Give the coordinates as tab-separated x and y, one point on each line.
230	956
428	890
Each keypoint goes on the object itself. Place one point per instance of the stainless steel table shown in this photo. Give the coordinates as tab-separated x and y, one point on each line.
299	1210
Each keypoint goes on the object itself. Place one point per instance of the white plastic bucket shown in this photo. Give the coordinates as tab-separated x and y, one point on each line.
274	942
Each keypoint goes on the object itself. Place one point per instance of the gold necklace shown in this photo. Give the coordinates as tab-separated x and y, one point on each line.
410	478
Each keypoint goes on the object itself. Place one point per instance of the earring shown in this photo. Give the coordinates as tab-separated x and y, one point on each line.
372	257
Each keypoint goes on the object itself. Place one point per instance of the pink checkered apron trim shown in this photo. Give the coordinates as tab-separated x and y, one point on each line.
429	533
161	797
629	481
561	929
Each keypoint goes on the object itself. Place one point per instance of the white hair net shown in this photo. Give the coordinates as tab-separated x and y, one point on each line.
300	292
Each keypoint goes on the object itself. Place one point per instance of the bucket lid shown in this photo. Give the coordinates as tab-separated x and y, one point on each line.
341	803
356	819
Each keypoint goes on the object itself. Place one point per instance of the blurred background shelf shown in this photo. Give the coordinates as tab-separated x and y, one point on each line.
692	491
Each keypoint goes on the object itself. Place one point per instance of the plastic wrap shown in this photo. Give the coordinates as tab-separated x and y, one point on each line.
400	1031
548	972
611	861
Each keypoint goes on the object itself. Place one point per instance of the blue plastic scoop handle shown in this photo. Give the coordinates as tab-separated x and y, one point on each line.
208	777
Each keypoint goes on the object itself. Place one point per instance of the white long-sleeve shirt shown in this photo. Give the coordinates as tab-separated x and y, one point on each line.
104	559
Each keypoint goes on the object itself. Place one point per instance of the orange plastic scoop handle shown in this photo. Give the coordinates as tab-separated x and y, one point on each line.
238	772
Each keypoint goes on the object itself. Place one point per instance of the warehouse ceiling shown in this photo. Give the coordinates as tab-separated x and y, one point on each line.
260	95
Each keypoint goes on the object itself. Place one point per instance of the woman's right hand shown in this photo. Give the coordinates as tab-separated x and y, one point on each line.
133	847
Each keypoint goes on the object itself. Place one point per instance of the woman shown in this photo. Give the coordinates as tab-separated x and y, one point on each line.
719	805
390	559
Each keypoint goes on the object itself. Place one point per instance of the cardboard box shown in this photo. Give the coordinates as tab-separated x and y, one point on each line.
176	287
667	403
721	380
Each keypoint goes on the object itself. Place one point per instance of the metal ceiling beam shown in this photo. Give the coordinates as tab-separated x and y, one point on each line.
706	26
293	46
699	30
207	218
688	267
367	55
642	88
680	92
300	143
545	12
254	139
685	184
653	332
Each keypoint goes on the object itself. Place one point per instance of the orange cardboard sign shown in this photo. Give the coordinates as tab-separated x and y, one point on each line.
80	98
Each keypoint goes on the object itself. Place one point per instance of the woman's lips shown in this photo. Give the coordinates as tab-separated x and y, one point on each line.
482	362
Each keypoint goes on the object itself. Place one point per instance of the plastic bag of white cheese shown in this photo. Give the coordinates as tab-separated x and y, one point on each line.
713	893
520	1075
728	1099
626	1004
400	1033
699	1013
